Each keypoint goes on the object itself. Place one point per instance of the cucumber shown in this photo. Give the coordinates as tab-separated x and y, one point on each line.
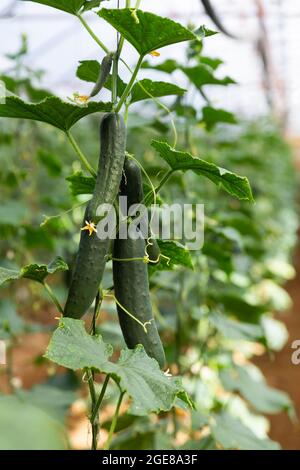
105	69
210	11
92	253
131	281
135	195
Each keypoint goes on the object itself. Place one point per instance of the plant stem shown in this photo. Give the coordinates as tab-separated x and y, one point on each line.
126	113
114	422
94	400
53	297
114	89
160	185
98	304
80	154
130	84
100	399
178	333
92	34
91	385
164	180
137	5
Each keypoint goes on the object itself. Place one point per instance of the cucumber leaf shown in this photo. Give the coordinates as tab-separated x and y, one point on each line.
11	324
236	330
136	373
146	89
203	32
201	75
140	376
80	184
52	110
235	185
44	432
70	6
213	63
213	116
35	272
174	254
168	66
231	433
146	31
53	400
263	398
72	347
90	4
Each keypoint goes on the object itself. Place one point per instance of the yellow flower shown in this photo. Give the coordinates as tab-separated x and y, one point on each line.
83	98
90	226
155	54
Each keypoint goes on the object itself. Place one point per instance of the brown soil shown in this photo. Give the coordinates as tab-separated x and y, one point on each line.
283	374
28	349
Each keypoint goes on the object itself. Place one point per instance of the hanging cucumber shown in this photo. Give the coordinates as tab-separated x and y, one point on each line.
131	281
210	11
92	253
105	69
135	195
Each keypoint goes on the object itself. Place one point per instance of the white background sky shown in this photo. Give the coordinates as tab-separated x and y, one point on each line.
57	42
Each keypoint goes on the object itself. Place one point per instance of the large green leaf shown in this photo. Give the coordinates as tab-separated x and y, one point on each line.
168	66
174	254
146	31
213	116
10	322
236	302
140	376
89	71
70	6
80	184
213	63
35	272
52	400
13	212
146	89
137	374
201	75
73	348
263	398
8	275
236	330
231	433
14	85
26	427
52	110
235	185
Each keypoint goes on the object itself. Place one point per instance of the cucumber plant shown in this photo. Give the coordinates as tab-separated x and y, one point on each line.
209	301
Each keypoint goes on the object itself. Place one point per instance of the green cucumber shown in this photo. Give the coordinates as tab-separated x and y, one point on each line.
135	195
105	69
210	11
131	281
92	253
